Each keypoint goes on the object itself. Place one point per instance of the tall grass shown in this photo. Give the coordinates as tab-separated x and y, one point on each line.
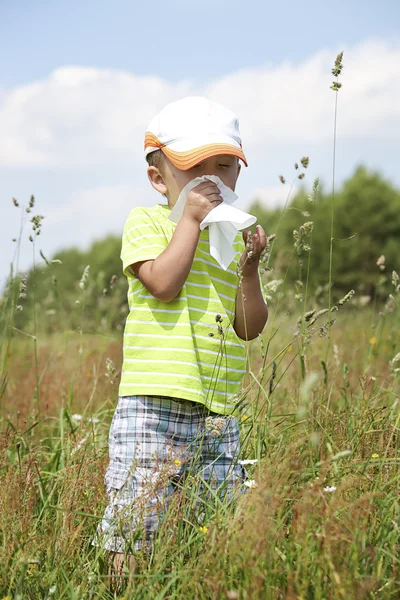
319	431
322	521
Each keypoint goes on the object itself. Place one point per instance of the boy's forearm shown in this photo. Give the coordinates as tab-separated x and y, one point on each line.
165	276
251	313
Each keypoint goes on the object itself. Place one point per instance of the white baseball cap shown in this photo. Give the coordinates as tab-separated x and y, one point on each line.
192	129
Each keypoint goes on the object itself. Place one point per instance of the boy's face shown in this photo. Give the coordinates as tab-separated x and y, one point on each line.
170	181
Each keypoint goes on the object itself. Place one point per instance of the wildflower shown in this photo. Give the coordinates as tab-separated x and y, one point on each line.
381	262
315	190
248	461
84	278
219	423
177	462
218	318
77	417
111	371
346	298
301	176
249	245
282	179
338	67
336	354
37	223
79	445
250	483
305	161
336	71
203	529
301	236
215	425
308	315
390	304
374	455
392	363
373	341
330	489
245	417
272	287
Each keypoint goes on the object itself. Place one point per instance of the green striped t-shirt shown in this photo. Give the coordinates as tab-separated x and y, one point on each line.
175	348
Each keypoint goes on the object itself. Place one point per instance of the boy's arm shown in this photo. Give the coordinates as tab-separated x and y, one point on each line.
251	312
165	276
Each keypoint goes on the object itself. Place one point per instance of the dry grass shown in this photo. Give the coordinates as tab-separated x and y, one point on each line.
288	538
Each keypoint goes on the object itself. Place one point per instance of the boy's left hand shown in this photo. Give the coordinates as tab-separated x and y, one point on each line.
254	246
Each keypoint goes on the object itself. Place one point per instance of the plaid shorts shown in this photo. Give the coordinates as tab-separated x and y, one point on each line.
154	444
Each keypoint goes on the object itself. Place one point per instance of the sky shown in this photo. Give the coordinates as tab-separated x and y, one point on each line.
82	80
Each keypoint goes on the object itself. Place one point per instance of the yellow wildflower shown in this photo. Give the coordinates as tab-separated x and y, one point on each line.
177	462
373	341
374	455
245	417
203	529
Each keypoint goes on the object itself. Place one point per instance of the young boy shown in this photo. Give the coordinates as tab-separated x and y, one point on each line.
184	355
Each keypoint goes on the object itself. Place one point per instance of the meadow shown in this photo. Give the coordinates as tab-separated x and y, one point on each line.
320	427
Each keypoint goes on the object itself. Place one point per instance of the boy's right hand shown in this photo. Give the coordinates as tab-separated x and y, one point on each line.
201	200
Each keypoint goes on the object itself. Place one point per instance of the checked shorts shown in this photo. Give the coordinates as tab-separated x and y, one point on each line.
154	444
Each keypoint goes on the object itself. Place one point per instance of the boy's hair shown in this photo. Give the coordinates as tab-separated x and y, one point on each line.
155	159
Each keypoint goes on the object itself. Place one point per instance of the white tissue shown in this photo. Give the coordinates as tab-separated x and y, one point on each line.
224	221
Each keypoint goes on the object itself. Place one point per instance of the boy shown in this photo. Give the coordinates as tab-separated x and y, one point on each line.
184	356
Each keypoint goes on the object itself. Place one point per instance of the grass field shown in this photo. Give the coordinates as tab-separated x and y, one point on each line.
320	425
321	418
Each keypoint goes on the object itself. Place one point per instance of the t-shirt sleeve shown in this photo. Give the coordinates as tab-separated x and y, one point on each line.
142	239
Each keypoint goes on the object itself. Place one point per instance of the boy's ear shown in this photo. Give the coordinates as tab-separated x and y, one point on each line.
157	180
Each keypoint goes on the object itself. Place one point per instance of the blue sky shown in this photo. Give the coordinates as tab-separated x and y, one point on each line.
82	80
180	39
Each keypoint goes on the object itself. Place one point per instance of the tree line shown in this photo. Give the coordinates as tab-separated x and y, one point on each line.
86	288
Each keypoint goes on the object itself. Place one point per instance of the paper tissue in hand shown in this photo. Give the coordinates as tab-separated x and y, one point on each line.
224	221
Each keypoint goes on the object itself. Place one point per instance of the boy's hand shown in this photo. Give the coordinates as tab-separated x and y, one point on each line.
251	256
201	200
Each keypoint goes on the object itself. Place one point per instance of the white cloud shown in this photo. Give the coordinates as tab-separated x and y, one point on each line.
92	213
275	195
80	117
82	125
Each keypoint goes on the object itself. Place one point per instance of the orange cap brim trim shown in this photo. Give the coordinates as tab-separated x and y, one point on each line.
190	158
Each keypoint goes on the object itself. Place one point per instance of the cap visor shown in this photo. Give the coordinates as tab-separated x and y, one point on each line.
188	159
